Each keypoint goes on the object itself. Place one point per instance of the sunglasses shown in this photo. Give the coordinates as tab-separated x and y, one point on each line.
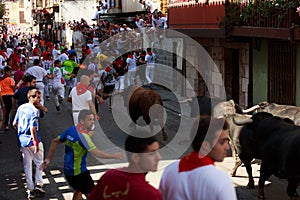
34	96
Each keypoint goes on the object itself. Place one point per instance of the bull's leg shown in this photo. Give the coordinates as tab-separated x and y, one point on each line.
292	187
264	175
238	163
246	159
164	134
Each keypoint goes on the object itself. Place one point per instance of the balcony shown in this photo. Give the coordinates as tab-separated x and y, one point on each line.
276	19
196	18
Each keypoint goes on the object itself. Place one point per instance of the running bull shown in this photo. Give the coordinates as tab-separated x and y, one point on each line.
276	142
141	102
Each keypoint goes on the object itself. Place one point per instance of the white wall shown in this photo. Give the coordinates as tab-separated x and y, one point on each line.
75	10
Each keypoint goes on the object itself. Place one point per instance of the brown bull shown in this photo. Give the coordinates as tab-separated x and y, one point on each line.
141	102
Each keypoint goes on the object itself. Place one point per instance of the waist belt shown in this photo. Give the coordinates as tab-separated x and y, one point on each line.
39	81
76	110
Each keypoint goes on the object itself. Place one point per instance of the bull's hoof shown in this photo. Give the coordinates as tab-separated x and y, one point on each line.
250	185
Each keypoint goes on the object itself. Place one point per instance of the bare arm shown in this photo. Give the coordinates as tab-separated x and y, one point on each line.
101	154
93	109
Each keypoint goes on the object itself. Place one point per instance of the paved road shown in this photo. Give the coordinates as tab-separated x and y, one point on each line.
112	126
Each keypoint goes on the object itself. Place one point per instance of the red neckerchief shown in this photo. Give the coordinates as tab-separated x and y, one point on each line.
150	53
91	87
107	69
137	19
81	89
192	161
119	63
130	56
81	128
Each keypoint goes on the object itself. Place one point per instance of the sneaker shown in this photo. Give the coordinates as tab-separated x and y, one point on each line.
6	128
60	99
57	108
39	190
47	98
31	194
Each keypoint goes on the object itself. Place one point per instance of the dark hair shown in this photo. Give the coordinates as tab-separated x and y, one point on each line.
36	62
137	144
148	49
7	69
205	128
84	113
56	62
28	78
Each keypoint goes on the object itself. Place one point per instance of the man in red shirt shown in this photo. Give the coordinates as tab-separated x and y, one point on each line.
129	183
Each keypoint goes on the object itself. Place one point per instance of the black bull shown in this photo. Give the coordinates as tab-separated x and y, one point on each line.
139	101
277	143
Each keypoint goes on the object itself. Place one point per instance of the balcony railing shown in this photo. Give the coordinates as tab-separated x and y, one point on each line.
261	13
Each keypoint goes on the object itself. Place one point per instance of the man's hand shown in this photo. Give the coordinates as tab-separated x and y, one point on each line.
119	155
45	164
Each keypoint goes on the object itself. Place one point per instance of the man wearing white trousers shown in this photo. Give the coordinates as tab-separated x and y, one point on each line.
150	59
26	123
39	73
58	88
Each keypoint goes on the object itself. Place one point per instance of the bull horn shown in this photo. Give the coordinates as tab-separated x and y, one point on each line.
185	101
251	109
241	122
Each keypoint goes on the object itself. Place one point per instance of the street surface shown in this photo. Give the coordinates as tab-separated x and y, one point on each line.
110	136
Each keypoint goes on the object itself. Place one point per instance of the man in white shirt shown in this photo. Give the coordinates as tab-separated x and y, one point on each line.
150	59
64	56
194	176
39	73
58	88
56	52
81	98
131	68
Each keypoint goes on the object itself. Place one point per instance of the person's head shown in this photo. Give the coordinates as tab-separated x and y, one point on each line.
148	49
85	80
142	153
72	56
7	70
34	96
57	63
36	62
30	80
87	119
23	66
210	137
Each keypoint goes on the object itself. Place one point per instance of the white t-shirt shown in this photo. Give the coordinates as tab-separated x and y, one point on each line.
38	72
131	64
55	54
150	59
204	182
80	102
57	75
63	57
